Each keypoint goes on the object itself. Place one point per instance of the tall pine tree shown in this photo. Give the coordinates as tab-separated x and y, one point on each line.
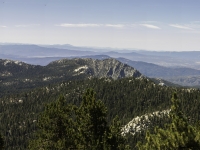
56	127
97	134
92	121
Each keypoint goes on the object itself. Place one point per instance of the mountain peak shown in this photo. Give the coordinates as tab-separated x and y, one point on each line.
109	67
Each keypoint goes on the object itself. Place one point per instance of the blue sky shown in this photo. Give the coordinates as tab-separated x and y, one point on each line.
170	25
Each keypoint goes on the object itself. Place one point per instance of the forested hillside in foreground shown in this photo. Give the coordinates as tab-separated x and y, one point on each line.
127	98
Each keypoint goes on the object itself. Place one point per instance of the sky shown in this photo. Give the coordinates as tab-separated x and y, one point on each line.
160	25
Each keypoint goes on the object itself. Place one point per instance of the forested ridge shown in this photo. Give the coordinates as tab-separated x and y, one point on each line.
18	76
127	98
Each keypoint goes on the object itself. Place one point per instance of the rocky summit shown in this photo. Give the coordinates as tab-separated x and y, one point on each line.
98	68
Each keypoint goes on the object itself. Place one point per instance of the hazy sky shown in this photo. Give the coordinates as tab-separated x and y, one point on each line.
172	25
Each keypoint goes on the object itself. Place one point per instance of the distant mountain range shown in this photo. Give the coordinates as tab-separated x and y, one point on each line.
165	65
168	59
152	70
186	81
34	51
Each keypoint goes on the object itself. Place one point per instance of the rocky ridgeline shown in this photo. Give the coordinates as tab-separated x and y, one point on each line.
100	68
112	68
140	123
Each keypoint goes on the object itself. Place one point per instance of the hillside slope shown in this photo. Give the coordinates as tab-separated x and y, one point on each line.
15	75
126	97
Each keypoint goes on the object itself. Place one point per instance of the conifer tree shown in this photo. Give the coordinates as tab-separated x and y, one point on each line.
97	134
64	126
115	140
57	129
177	135
92	120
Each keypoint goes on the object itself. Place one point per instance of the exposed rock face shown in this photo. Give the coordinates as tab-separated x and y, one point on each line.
112	68
140	123
101	68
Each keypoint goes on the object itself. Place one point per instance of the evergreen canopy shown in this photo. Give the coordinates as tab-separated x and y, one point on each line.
177	135
65	126
1	142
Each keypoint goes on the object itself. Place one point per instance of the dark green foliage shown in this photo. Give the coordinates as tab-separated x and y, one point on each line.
1	142
56	127
176	135
19	78
64	126
126	98
116	141
92	120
